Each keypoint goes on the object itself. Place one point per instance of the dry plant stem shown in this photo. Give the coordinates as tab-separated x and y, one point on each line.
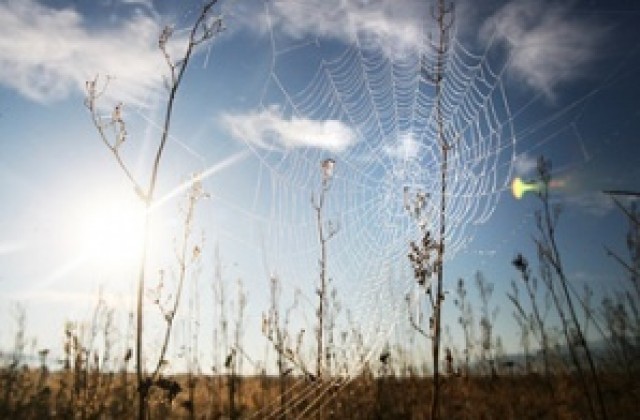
200	32
176	79
142	388
90	103
281	339
626	266
544	338
272	325
549	250
323	280
182	273
416	326
466	321
222	332
323	237
444	148
633	245
420	255
523	266
235	391
219	335
487	319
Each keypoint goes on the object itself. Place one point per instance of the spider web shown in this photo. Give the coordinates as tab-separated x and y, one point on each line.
388	100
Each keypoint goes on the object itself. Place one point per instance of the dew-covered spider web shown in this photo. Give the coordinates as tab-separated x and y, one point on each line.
371	106
362	95
386	99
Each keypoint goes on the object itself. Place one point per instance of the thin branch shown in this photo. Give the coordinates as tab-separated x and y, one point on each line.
90	102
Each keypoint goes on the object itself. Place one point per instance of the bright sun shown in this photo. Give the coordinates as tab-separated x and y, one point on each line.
109	231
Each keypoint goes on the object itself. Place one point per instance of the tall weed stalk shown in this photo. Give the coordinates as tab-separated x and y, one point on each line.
205	27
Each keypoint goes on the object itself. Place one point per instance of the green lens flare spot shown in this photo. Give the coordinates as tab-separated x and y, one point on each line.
519	187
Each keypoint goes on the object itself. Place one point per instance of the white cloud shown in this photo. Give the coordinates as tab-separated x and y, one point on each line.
47	54
405	149
524	164
395	29
269	129
548	45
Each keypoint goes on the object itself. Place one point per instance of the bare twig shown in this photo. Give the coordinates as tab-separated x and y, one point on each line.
204	28
326	231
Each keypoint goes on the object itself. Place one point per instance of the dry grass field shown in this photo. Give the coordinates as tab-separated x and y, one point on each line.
90	394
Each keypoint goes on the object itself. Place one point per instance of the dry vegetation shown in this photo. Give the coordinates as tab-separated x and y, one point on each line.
558	373
82	390
95	377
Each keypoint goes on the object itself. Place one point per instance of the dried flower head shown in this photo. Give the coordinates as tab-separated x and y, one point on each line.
328	166
520	263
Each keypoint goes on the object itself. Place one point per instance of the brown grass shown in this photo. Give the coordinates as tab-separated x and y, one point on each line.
27	394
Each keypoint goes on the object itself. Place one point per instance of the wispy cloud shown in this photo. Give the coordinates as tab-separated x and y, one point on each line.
548	45
269	128
524	164
47	54
405	149
394	28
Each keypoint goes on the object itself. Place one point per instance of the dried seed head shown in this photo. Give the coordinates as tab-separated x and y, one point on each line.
328	166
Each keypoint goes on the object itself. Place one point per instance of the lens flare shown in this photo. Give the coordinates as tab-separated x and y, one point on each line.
519	187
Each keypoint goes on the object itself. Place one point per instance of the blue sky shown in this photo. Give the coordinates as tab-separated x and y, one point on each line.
287	85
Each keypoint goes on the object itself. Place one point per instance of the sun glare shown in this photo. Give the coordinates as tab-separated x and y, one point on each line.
110	231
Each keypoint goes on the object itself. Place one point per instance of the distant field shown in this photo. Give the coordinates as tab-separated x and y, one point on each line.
33	394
